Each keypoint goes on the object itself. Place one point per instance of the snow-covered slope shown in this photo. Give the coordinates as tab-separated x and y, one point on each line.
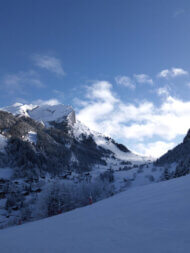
19	109
79	130
46	113
151	219
43	113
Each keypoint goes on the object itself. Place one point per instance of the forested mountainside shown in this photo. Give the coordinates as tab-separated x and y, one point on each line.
176	161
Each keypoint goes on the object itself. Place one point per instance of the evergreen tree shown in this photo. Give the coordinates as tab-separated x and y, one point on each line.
166	175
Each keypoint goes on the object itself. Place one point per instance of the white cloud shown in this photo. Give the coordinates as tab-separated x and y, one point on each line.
101	90
49	63
30	77
125	81
52	101
100	103
143	78
20	81
104	112
163	91
157	148
59	93
164	73
172	73
178	12
178	72
130	83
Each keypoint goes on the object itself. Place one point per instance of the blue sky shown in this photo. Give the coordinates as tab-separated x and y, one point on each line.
122	64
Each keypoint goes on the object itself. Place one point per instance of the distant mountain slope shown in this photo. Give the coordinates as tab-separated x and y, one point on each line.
152	218
177	160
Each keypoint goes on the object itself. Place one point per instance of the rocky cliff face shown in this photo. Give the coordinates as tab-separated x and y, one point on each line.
33	149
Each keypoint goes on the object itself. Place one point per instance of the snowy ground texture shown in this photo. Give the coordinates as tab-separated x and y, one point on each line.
146	219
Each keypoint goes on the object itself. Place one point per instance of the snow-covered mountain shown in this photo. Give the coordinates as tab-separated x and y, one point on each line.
51	162
51	115
44	113
43	144
50	128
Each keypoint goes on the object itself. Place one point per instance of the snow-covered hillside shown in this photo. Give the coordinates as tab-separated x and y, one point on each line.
151	219
43	144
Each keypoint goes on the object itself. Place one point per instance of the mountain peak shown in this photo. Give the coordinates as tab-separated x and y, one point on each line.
44	113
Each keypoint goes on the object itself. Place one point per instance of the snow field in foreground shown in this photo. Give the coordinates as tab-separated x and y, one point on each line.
148	219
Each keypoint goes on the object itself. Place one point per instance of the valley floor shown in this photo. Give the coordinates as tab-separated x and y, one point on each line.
145	219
